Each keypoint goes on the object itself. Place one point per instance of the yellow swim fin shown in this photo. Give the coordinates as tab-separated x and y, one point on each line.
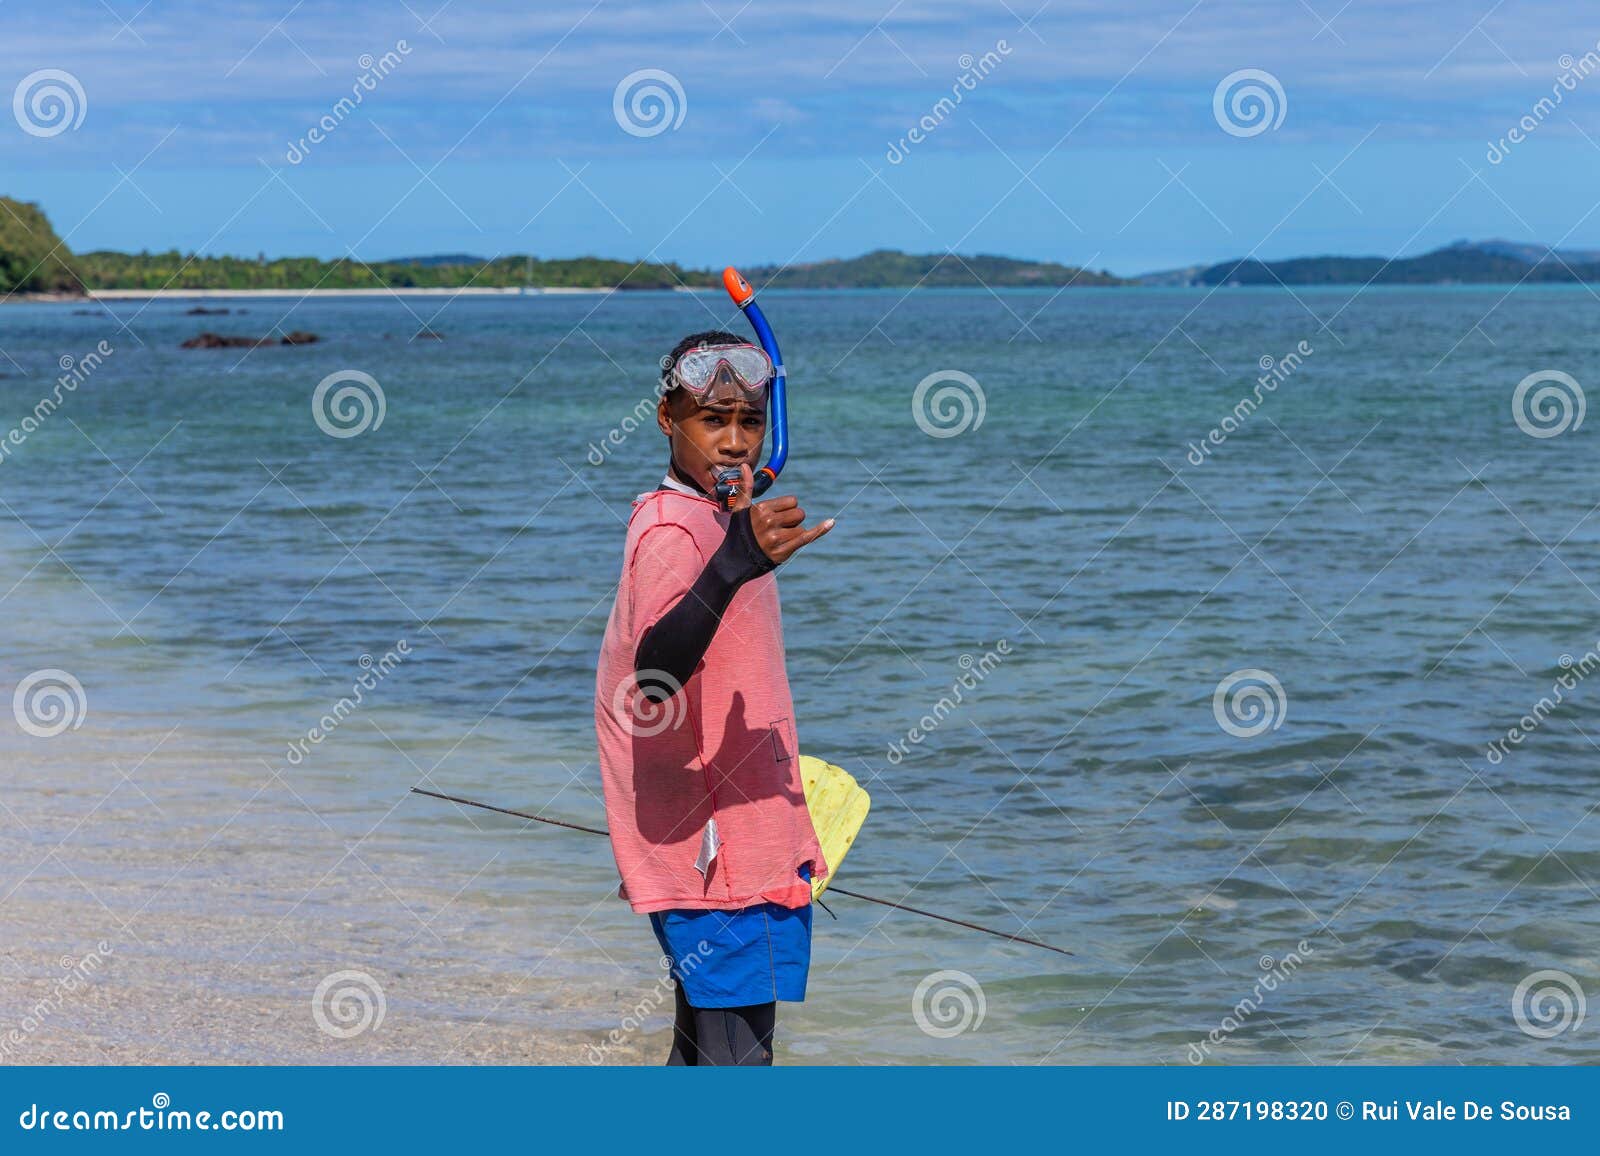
838	806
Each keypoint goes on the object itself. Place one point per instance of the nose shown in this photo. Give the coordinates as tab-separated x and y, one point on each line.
736	444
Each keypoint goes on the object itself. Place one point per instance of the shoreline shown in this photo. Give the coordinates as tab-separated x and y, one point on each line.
111	295
114	295
410	291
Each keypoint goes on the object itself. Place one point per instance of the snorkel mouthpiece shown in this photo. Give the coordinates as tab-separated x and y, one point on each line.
727	488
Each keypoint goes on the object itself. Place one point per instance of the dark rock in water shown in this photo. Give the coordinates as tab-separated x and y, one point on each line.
86	312
426	334
220	341
202	311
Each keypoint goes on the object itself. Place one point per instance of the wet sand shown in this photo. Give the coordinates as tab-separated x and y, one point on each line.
140	925
143	1009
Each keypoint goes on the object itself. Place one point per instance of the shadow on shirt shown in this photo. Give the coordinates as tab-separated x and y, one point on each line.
672	793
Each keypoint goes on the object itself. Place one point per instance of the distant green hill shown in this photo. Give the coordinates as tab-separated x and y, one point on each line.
892	269
104	269
883	269
32	258
1463	263
1531	253
438	259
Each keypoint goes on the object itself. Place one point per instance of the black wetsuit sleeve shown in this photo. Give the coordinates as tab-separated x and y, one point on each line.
672	648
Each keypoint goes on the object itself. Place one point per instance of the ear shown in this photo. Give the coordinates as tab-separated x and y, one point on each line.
663	417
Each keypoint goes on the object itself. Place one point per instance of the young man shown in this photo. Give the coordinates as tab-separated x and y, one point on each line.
698	750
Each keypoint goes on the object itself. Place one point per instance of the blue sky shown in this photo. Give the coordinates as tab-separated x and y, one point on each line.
1091	140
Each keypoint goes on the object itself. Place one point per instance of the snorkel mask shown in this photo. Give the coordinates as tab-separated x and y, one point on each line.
720	373
743	368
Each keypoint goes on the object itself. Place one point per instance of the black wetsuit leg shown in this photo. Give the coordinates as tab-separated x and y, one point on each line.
722	1036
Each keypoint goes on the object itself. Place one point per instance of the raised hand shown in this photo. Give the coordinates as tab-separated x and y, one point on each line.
779	523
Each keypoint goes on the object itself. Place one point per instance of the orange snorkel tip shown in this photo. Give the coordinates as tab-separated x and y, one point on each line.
738	288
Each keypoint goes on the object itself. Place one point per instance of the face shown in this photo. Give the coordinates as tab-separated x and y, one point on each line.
707	439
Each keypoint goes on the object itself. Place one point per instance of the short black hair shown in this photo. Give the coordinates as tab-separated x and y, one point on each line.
692	342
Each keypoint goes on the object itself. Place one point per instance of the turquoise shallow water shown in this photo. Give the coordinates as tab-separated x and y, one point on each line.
1379	536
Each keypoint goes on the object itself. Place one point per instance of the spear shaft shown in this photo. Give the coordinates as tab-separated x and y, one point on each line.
833	889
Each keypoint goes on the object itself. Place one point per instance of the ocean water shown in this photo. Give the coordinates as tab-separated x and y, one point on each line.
1329	862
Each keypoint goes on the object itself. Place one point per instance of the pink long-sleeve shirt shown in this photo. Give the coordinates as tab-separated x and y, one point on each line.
703	792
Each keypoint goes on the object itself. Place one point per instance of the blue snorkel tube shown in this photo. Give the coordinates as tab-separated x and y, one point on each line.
777	410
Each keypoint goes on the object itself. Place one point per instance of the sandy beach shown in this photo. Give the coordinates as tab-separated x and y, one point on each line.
149	1004
150	923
